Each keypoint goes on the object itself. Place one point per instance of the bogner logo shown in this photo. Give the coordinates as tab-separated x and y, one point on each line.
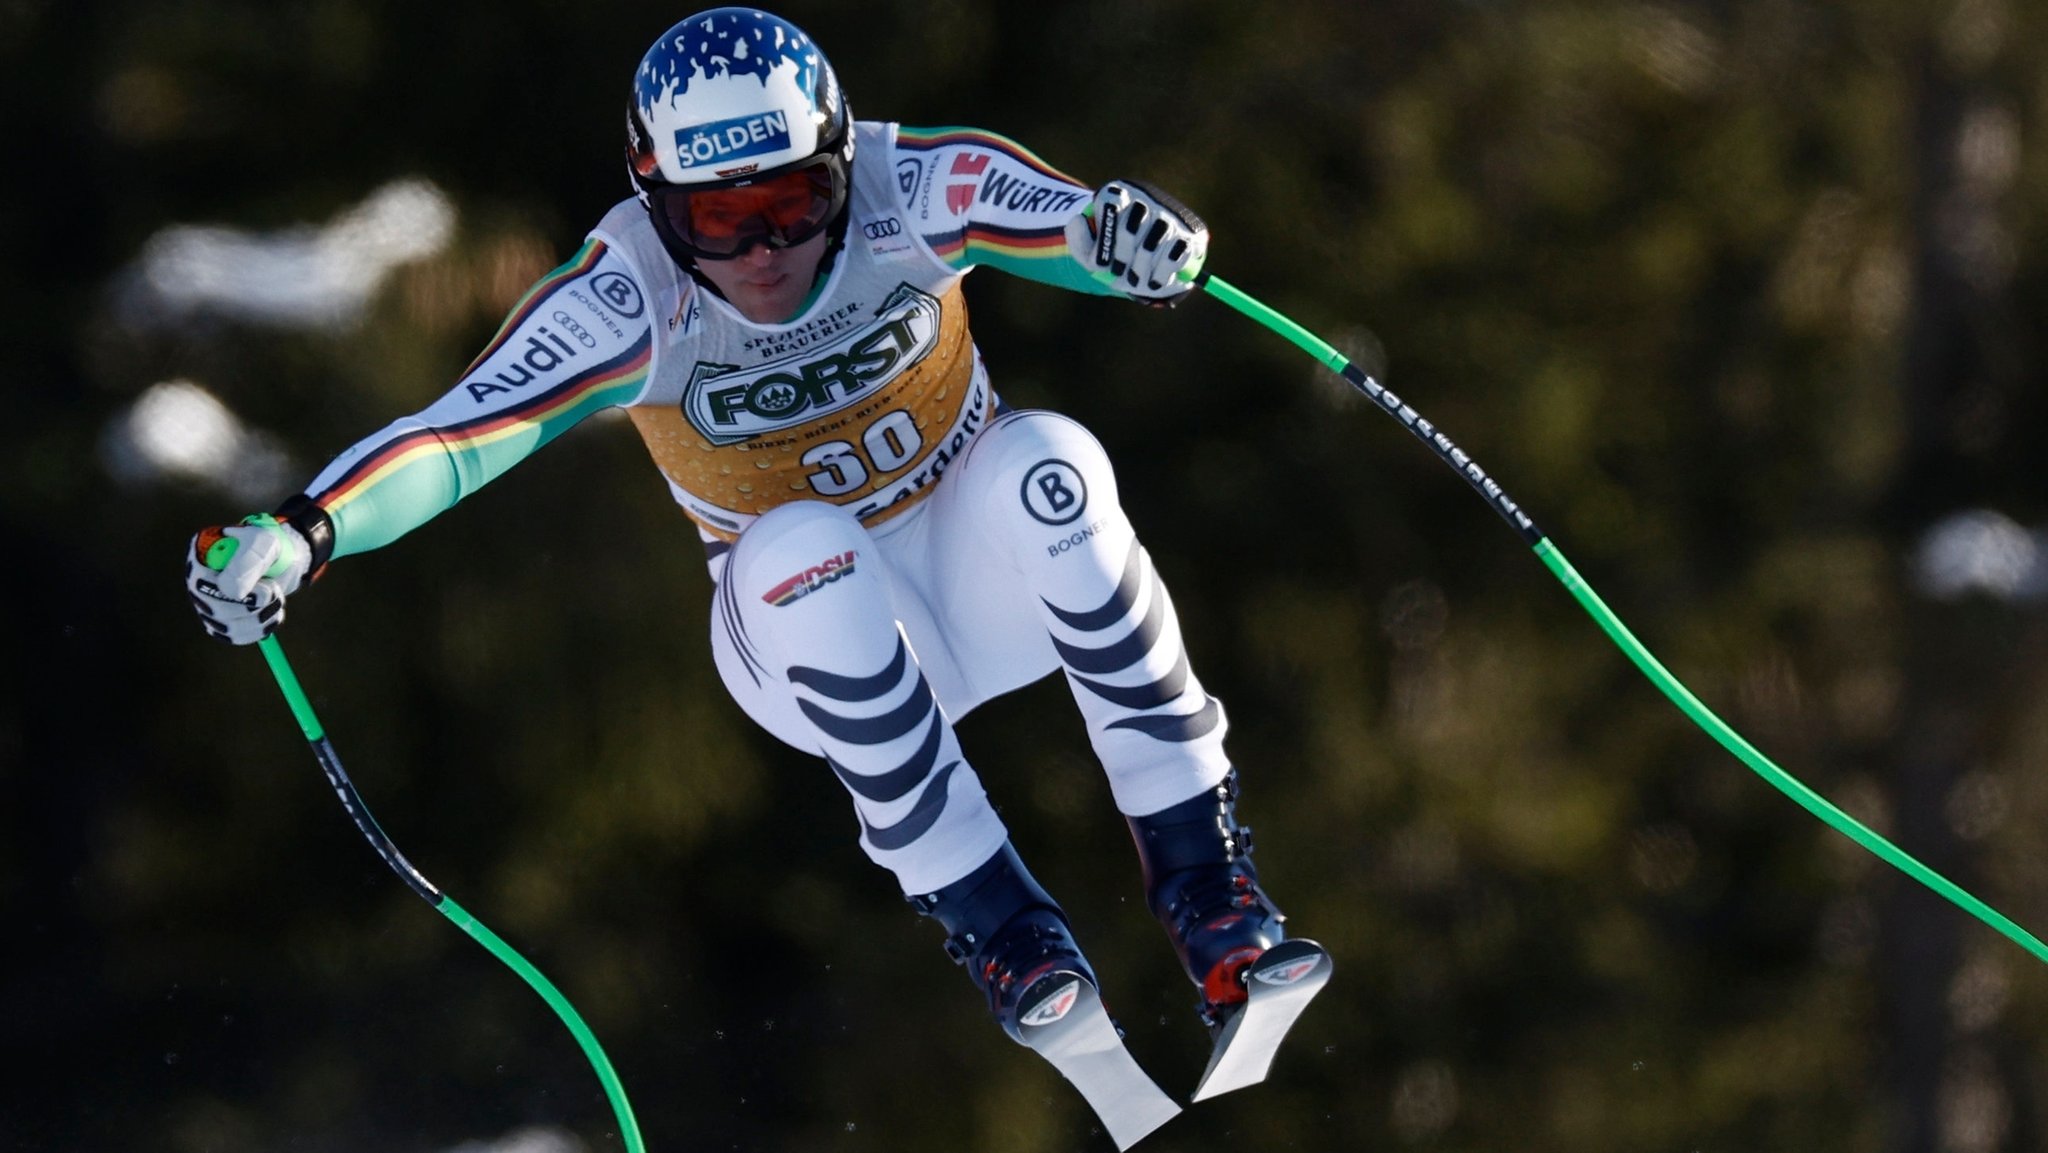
729	404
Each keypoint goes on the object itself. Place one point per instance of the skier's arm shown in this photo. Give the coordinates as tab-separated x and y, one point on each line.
980	199
567	350
577	342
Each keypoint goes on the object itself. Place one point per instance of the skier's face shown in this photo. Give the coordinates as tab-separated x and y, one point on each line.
767	284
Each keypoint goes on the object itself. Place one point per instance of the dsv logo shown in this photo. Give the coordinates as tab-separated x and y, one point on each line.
729	405
882	229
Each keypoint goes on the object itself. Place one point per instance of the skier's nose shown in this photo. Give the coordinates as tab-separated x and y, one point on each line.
759	255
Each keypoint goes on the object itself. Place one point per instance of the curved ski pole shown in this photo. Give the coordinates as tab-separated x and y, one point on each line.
330	764
1554	560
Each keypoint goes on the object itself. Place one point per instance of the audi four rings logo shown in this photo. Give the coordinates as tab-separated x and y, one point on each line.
878	229
576	330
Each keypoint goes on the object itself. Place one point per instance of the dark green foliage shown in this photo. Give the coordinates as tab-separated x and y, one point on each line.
1737	298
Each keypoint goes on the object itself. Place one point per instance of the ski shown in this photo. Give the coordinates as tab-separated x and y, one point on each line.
1278	986
1063	1021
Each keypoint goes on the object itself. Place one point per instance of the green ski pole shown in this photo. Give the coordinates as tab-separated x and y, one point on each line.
1553	559
217	558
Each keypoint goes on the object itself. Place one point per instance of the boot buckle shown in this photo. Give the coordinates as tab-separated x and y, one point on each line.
961	948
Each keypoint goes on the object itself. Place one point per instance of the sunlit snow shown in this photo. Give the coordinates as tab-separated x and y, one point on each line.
1982	551
299	277
178	430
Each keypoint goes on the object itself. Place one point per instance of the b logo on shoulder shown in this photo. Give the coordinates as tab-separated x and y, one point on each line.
620	292
1054	493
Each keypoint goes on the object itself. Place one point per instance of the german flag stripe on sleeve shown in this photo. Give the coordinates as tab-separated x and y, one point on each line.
585	259
926	139
539	419
969	245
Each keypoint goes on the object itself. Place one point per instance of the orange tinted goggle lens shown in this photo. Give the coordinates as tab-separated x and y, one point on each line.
781	211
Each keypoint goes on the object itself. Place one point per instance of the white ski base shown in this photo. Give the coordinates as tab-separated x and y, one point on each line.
1084	1046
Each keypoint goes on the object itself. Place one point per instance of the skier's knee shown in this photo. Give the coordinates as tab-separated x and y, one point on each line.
1043	466
810	520
788	533
796	549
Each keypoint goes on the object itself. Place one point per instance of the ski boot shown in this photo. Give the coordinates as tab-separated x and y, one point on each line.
1254	981
1020	952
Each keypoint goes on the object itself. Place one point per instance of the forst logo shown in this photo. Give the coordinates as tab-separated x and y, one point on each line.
821	382
729	405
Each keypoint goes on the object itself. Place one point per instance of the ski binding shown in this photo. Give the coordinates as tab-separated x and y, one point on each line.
1278	986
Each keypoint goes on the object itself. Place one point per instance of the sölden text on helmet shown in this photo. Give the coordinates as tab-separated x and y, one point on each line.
729	94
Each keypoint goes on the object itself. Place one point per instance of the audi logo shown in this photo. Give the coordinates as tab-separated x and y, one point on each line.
877	229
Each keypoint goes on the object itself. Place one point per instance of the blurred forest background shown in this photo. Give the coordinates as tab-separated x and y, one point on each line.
1741	300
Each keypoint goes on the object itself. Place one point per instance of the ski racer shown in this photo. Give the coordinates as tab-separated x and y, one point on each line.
778	308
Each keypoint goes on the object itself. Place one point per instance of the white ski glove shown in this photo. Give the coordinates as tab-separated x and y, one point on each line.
243	601
1140	239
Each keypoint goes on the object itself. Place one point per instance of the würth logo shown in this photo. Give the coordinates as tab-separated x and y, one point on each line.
810	580
960	196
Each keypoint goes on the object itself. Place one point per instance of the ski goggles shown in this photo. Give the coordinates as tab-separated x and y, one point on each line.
721	222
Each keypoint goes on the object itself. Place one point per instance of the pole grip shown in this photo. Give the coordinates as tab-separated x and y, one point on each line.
217	548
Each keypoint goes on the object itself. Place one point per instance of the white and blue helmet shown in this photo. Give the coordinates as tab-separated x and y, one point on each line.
731	95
